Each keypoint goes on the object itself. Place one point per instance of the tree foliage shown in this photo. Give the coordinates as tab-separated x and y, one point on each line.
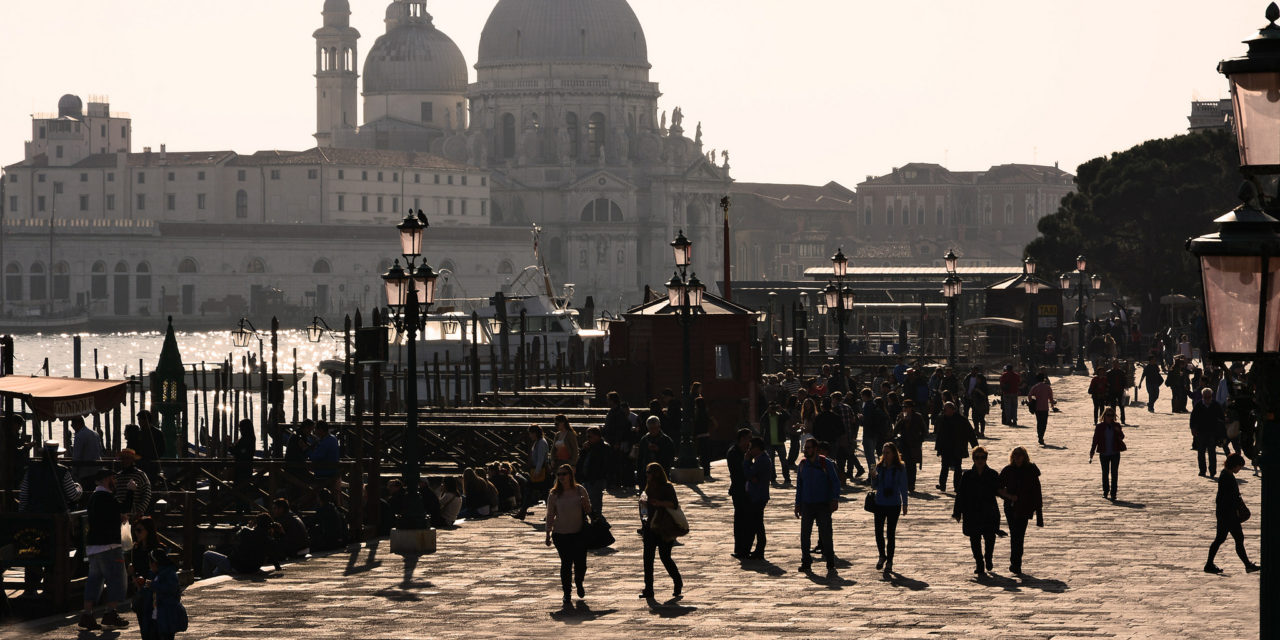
1132	213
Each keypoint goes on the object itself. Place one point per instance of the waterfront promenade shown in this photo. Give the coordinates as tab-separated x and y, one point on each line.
1131	569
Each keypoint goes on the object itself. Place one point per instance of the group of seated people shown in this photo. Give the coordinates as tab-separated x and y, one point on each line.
479	492
278	536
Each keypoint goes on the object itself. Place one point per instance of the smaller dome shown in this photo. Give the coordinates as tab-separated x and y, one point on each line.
337	13
413	56
70	106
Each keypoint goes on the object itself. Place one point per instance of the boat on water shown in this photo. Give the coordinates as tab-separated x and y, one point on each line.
36	322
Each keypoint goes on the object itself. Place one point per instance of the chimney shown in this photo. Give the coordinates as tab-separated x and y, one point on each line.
163	154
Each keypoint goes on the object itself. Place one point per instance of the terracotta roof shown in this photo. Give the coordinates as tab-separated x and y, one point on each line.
352	157
797	197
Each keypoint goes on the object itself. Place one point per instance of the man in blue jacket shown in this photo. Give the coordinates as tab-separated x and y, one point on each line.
817	497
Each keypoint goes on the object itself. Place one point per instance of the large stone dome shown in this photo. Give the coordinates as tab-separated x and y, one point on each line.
413	57
574	31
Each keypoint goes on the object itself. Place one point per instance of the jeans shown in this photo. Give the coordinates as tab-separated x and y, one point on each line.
886	529
653	543
820	512
949	464
1099	403
976	545
1009	409
1042	423
108	567
1017	536
1211	452
595	492
215	564
755	525
1233	528
1153	394
573	558
779	453
1110	469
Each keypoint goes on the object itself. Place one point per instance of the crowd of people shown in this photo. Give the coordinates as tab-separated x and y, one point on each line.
808	434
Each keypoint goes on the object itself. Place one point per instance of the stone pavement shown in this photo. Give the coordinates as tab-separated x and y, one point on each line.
1131	569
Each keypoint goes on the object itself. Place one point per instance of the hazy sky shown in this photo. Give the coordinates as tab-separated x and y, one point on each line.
802	91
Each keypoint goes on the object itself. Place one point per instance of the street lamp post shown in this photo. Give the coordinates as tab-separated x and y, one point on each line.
1237	269
1085	286
403	288
951	288
839	298
684	295
1031	285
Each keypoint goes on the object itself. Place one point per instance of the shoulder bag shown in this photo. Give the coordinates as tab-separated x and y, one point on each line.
597	533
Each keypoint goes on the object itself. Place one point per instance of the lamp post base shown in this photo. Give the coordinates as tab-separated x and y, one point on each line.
413	542
687	476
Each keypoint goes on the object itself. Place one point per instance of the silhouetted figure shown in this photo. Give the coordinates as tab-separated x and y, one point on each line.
976	509
1230	511
1020	488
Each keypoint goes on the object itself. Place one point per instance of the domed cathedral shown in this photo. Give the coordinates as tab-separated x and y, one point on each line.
565	116
415	78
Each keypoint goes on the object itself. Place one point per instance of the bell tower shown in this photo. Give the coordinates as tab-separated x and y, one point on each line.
336	90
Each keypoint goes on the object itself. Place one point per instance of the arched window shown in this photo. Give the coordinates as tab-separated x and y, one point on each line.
595	134
321	266
888	215
571	126
256	265
98	281
937	217
508	135
122	267
920	215
1008	214
62	281
242	204
188	265
143	284
38	282
602	210
13	282
505	268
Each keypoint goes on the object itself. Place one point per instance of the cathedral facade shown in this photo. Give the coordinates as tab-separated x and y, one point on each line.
564	116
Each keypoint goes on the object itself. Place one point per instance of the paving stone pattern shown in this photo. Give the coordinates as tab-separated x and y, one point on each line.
1131	569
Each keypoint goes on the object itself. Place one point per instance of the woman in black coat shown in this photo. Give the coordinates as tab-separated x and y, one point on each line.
952	438
1020	488
1230	511
976	508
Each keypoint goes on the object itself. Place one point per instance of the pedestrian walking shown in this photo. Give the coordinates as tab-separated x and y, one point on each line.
1119	379
1152	379
848	447
952	438
909	434
1108	443
1020	488
594	467
976	509
758	471
659	494
1010	384
655	446
979	400
1230	511
734	459
875	427
1098	392
567	509
103	549
817	498
703	423
890	486
1208	428
1041	399
776	425
539	470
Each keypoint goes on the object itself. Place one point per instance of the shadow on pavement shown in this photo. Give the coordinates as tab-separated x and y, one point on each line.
669	609
1053	447
831	580
1043	584
1129	505
763	566
579	613
370	563
703	498
898	580
403	593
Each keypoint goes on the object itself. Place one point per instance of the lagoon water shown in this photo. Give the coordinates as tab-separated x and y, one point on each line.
117	356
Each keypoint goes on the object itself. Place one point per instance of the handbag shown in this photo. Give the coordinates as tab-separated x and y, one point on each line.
668	524
869	505
1242	512
597	533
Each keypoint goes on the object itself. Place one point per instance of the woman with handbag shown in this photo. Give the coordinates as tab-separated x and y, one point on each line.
1231	511
889	486
567	509
660	527
1020	488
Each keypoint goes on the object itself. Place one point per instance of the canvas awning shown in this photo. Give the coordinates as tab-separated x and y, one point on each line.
64	398
993	322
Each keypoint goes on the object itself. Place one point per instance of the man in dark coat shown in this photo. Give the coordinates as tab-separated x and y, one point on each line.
910	432
952	438
738	493
1208	427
